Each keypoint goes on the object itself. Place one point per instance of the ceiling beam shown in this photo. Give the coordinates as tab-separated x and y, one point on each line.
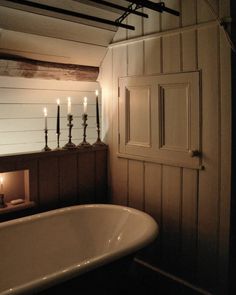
16	66
69	13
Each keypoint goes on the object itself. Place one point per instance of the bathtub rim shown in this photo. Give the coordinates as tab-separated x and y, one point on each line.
76	269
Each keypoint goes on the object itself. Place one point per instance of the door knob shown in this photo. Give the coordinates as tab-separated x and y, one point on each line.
194	153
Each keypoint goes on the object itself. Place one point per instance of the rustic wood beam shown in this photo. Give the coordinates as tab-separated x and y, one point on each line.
27	68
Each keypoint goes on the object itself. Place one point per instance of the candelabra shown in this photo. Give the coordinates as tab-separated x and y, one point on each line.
70	144
84	143
2	203
46	148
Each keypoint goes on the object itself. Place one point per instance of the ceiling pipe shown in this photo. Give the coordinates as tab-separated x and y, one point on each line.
160	7
69	13
118	7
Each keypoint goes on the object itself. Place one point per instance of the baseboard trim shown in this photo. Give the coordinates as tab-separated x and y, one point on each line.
172	277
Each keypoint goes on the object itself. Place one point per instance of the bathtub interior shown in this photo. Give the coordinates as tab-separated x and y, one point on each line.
37	247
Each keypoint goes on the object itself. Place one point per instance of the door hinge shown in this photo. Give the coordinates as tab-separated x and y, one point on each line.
118	91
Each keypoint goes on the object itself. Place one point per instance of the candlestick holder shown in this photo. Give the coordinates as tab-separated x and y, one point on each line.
46	148
98	142
70	144
2	202
58	142
84	143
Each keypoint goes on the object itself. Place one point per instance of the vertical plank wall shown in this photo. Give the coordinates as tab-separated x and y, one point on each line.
190	205
21	112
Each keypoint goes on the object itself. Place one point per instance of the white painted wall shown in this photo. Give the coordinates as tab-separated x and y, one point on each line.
21	112
192	206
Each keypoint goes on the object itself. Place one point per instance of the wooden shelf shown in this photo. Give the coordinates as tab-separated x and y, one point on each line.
12	208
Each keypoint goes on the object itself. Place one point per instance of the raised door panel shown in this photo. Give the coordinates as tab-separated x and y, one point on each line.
179	118
138	116
137	107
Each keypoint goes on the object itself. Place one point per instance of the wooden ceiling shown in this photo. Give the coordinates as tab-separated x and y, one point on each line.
54	37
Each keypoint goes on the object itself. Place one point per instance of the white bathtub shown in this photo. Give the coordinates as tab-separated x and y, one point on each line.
41	250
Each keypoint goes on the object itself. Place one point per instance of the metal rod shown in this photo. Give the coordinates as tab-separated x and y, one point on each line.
119	7
160	7
71	13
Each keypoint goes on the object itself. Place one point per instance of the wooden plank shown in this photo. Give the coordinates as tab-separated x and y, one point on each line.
119	167
50	49
152	24
171	58
135	59
22	67
204	11
171	216
68	179
29	111
153	189
11	19
136	184
120	35
152	56
42	84
189	50
86	177
189	223
16	95
48	182
189	12
101	176
208	219
226	154
137	22
169	21
30	125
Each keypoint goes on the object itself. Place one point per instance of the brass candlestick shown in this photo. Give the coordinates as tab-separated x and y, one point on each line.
2	202
70	144
58	141
98	142
46	148
84	143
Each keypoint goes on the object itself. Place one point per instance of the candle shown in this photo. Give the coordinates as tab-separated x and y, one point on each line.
97	109
1	185
69	106
58	116
45	117
85	105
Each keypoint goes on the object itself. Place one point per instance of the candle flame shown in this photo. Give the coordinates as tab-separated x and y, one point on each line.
85	99
58	101
69	100
1	180
96	92
45	112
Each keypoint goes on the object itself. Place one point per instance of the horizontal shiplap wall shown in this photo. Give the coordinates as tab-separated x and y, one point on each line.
21	112
189	205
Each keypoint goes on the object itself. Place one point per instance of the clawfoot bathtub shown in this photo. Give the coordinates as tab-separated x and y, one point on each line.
42	250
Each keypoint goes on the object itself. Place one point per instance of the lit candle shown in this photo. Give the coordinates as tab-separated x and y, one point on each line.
69	106
85	105
97	109
45	117
1	185
58	116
